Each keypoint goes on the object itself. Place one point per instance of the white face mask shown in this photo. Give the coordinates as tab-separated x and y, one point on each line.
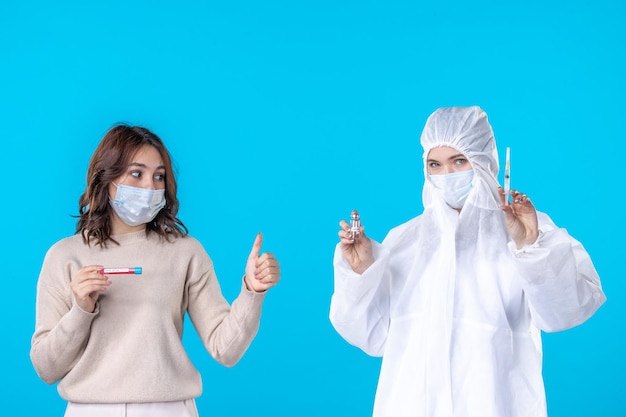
454	187
135	206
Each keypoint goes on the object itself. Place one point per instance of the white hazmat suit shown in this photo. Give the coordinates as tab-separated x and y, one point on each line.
452	306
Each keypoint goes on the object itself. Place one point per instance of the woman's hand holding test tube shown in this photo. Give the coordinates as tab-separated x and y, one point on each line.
87	285
137	270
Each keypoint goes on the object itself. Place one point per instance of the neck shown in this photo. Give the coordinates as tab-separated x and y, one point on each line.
118	227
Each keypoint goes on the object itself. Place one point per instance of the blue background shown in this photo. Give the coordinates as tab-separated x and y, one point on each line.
282	117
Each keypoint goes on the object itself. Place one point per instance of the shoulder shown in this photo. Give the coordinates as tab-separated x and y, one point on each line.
188	252
66	245
55	268
186	242
404	229
185	247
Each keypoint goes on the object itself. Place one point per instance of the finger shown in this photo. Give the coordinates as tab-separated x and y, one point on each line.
82	292
267	271
98	281
267	256
345	236
269	278
93	288
521	198
265	262
256	247
263	287
89	269
266	280
501	195
508	211
93	277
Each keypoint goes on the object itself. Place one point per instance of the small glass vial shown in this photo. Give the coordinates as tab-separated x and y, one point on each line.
355	225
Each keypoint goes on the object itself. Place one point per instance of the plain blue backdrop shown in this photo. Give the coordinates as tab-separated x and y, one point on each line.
282	116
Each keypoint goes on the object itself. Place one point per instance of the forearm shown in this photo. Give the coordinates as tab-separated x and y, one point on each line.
55	349
360	303
562	286
227	331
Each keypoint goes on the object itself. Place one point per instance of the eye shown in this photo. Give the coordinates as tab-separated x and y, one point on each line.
135	174
159	177
460	161
433	164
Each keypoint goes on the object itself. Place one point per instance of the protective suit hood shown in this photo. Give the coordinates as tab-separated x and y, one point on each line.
467	130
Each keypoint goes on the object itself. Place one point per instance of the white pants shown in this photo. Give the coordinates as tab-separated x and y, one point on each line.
186	408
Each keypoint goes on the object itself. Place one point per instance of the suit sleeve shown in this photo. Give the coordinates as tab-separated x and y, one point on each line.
359	309
559	279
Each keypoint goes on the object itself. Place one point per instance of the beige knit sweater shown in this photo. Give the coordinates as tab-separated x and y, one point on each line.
129	349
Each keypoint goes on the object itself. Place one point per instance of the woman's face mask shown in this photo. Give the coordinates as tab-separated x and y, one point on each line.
136	206
454	187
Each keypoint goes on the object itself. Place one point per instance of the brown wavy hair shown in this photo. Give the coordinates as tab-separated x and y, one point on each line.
110	160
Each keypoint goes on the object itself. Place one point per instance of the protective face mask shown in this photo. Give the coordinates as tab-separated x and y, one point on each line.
135	206
454	187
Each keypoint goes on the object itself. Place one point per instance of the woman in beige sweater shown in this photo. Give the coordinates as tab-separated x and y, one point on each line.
114	341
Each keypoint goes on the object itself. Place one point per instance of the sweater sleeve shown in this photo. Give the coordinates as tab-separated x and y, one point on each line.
560	281
226	330
61	328
359	308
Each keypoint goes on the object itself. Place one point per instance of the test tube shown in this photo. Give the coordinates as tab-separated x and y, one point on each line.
507	176
355	225
136	270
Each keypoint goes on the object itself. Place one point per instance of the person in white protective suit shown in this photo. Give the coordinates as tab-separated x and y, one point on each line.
454	300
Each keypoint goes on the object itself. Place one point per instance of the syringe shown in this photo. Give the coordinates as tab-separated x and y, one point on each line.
507	176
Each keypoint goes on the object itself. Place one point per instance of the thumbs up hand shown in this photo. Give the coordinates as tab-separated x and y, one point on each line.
262	272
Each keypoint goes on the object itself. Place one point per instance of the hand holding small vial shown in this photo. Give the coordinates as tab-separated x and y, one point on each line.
355	225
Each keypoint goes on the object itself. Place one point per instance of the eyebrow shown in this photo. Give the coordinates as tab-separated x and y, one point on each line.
140	165
459	155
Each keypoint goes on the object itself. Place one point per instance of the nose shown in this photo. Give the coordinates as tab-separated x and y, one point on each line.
148	183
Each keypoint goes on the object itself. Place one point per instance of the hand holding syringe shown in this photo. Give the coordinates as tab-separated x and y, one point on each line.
521	216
